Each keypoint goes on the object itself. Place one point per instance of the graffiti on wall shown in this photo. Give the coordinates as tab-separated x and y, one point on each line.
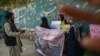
29	16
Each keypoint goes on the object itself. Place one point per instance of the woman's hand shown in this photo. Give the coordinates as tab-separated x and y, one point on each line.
91	44
89	16
21	31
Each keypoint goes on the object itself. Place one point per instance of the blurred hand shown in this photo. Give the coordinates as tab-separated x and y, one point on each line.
89	16
79	14
91	44
21	31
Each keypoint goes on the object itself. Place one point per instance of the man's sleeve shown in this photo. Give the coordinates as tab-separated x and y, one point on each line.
8	31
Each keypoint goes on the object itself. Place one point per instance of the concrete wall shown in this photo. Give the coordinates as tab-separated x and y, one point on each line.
29	17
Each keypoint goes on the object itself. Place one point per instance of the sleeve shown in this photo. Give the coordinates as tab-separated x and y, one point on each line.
8	31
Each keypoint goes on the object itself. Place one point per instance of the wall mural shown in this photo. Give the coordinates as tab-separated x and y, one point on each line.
29	16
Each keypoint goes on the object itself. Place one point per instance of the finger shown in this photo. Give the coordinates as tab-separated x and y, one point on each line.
94	2
91	44
78	14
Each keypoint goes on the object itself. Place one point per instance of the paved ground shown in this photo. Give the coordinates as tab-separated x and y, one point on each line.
28	48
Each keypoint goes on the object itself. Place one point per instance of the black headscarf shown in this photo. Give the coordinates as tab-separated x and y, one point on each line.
62	18
44	23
